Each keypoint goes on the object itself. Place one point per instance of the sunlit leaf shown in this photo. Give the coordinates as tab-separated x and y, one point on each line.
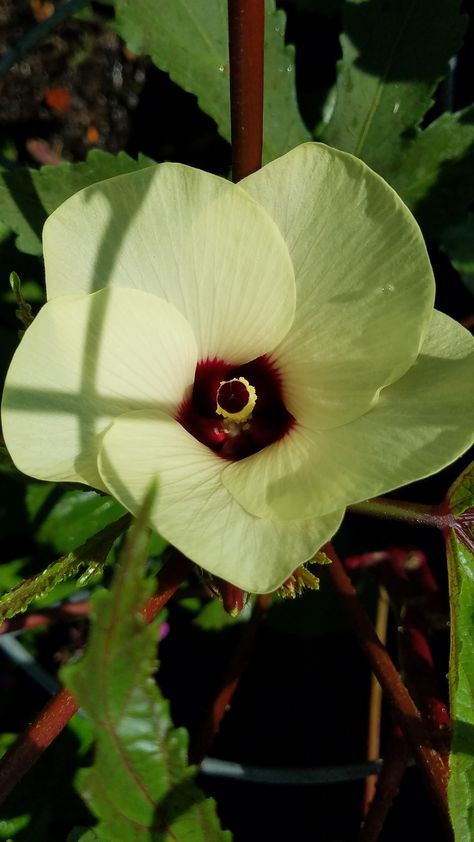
189	41
139	787
394	54
28	196
460	545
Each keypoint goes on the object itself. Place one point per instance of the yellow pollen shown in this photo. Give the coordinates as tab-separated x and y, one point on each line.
234	394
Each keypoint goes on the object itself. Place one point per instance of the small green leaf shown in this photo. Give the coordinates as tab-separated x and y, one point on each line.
189	40
66	519
461	668
10	827
461	493
82	834
28	196
394	54
93	552
139	787
213	616
458	242
436	177
10	573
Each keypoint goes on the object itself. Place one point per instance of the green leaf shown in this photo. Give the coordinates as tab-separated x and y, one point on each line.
188	39
461	493
460	547
82	834
139	786
66	519
458	242
214	617
28	196
436	177
10	573
89	556
394	54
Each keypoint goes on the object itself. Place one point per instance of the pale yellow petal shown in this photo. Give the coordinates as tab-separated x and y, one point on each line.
190	237
84	360
420	424
195	512
365	287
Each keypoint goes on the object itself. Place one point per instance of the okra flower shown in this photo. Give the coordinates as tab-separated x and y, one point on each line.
268	351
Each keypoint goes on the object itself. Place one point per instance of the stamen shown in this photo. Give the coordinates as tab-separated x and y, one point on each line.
236	399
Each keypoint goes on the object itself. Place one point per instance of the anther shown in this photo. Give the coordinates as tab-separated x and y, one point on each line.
235	399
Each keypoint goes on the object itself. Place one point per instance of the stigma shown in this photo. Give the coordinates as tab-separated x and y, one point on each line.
236	399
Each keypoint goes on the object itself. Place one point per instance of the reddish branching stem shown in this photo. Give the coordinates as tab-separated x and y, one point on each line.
404	709
388	784
375	703
176	569
414	594
418	669
417	513
205	734
246	55
29	747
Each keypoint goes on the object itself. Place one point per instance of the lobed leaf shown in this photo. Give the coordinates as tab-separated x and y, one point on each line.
461	669
395	52
139	787
188	39
28	196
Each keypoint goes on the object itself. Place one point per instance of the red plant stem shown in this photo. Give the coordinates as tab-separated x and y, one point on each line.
375	703
68	611
417	664
246	55
388	784
412	588
205	734
176	569
29	747
438	516
404	709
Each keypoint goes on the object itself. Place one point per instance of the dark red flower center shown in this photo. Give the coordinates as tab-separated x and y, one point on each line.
221	386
